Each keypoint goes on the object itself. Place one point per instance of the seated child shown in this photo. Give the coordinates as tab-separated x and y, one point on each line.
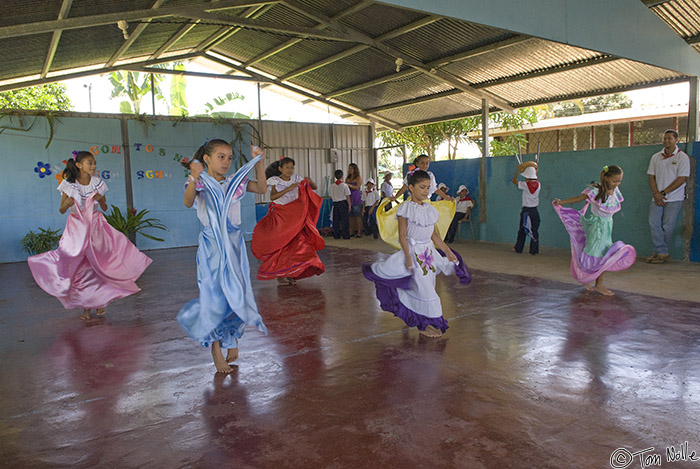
463	212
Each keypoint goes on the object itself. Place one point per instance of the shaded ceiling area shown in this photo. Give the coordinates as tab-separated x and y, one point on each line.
372	61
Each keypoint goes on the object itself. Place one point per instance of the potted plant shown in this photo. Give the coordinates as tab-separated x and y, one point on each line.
133	223
44	240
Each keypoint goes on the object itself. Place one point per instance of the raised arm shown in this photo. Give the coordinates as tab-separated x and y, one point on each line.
258	186
196	169
571	200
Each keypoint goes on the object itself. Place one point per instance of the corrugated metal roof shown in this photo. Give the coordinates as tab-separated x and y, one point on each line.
683	16
448	64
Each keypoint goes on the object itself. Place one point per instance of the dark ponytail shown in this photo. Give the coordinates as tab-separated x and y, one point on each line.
206	149
71	171
274	168
608	171
418	158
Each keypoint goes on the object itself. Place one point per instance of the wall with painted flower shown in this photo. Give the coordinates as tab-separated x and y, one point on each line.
32	171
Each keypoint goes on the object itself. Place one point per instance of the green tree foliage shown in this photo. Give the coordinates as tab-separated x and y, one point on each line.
508	145
49	97
427	138
608	102
178	96
134	86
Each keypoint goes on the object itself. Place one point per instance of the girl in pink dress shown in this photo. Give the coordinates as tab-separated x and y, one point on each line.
592	249
94	263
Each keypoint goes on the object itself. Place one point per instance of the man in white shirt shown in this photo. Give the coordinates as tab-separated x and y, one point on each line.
668	171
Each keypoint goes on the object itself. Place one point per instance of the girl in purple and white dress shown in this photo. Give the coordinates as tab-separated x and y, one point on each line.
405	281
592	250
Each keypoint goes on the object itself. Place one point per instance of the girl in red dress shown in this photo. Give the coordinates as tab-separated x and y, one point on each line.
286	239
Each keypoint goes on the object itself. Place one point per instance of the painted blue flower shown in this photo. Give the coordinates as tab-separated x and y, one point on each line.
44	169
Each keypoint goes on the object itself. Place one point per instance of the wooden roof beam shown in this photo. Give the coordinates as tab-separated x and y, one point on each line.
302	92
132	37
353	50
224	33
87	73
285	45
40	27
65	7
434	64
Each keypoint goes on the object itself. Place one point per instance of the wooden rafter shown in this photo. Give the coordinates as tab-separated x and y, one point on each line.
132	37
285	45
355	112
40	27
56	37
87	73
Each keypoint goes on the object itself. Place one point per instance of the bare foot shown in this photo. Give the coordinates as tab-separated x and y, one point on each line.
589	287
291	281
218	356
85	315
232	355
101	311
283	281
603	290
430	331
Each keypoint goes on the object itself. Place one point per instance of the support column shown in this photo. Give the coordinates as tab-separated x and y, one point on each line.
691	223
482	167
260	124
128	188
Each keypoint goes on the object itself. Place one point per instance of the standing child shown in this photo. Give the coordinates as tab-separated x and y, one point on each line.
94	263
464	209
354	182
387	188
529	216
370	200
226	302
422	162
286	239
340	195
592	249
405	281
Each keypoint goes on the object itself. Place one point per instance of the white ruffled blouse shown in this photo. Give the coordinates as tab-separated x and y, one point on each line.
280	184
80	193
421	219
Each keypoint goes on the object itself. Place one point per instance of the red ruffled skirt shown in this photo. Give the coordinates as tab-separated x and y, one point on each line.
286	239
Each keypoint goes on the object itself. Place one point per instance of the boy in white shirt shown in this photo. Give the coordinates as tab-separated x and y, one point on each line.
463	212
529	216
370	200
339	192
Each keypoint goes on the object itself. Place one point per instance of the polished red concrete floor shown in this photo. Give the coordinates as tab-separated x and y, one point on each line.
532	373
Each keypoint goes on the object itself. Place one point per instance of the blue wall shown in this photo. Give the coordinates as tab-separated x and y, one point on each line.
157	177
564	175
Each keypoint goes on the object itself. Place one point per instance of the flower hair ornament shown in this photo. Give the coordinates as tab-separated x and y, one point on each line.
605	168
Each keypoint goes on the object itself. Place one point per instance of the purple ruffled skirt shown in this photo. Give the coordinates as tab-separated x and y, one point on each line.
411	296
586	268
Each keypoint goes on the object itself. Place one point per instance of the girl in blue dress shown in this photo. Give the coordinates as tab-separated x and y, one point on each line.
226	303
